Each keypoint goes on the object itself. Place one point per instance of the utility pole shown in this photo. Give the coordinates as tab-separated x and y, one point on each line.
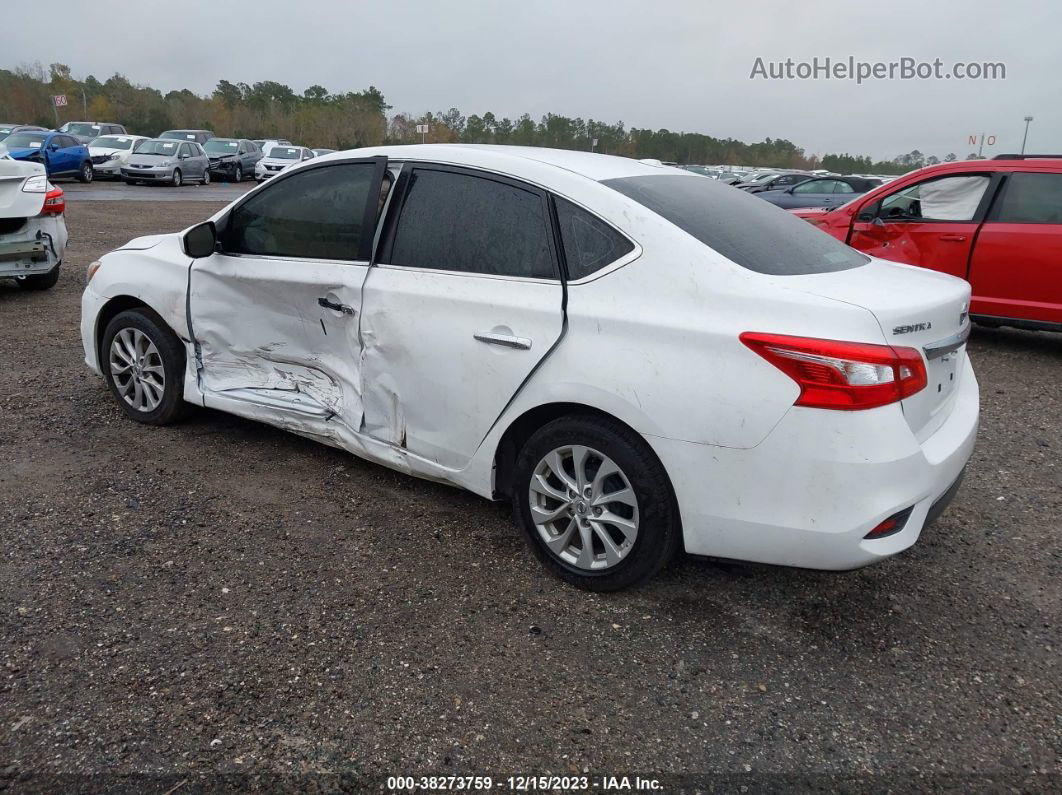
84	103
1026	136
980	146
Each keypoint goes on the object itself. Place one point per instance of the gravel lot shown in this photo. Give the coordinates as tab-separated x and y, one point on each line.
222	605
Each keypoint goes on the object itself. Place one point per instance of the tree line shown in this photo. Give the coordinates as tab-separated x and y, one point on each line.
348	120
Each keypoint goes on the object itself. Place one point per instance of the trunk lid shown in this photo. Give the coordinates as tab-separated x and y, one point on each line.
916	308
15	202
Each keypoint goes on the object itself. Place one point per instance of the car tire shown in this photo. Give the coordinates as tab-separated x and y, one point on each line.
40	281
206	177
85	174
646	507
137	345
177	180
237	176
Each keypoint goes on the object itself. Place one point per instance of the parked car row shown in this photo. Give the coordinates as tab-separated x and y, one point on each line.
86	150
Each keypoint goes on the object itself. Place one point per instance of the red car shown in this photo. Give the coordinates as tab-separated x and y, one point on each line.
996	223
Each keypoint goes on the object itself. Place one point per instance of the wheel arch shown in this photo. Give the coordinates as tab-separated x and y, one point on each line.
114	307
526	424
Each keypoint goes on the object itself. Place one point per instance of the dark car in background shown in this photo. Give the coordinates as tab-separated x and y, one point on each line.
199	136
777	182
820	192
232	158
62	155
88	131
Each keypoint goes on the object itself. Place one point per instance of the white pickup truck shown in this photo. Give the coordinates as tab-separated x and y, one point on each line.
32	227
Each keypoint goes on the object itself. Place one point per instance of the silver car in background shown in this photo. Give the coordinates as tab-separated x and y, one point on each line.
169	162
279	158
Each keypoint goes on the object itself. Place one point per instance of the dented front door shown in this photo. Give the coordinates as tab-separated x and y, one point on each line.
275	312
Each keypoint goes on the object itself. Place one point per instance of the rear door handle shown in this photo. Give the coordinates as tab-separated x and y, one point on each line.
346	310
954	238
505	340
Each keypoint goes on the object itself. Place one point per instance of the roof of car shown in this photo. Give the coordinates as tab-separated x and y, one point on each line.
595	166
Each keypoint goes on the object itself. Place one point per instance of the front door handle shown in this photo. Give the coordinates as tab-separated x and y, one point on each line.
346	310
954	238
505	340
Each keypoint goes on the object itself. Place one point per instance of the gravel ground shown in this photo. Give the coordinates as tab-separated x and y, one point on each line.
221	605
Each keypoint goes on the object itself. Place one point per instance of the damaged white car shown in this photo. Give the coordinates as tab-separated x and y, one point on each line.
640	359
32	227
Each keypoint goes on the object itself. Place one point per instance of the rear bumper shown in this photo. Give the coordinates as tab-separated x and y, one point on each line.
23	253
811	491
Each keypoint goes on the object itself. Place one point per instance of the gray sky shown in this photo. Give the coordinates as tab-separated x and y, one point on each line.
654	63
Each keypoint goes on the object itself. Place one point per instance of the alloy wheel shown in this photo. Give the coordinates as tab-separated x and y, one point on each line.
583	507
137	370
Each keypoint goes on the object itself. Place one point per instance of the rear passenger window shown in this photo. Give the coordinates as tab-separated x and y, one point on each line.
458	222
589	243
1031	198
315	214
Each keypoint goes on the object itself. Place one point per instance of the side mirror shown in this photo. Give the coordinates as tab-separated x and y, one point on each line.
201	240
877	221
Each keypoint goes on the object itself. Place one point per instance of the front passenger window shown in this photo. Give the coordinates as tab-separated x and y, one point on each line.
314	214
944	199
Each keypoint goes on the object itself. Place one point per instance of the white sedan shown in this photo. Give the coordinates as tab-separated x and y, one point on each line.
32	227
110	152
640	359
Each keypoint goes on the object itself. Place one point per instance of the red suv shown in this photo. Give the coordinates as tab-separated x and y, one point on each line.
996	223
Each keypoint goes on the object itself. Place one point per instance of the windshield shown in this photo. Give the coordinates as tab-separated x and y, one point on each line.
222	146
157	147
80	128
113	142
743	228
761	177
284	152
24	139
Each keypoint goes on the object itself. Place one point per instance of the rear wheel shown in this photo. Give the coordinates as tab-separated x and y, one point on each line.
177	179
595	503
85	175
143	362
40	281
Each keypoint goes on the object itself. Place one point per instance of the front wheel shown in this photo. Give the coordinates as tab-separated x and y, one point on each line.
143	362
85	175
595	503
177	179
238	176
206	177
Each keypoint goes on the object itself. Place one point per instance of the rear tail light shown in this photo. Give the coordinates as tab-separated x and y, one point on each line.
54	202
842	375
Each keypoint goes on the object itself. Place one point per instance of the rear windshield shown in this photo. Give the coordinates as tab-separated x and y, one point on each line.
24	139
283	153
741	226
112	142
182	135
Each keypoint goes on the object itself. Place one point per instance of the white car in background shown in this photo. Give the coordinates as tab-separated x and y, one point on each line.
640	359
278	158
32	227
110	152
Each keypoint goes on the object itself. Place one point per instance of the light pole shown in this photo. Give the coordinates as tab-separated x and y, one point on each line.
1026	136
